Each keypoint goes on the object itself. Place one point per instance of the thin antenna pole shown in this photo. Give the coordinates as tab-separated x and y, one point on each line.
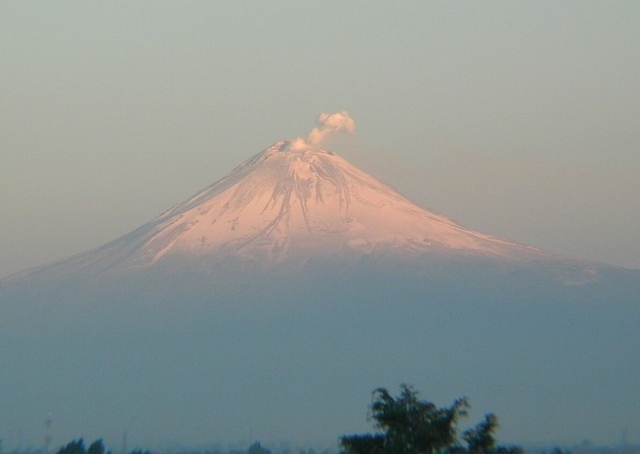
124	443
47	436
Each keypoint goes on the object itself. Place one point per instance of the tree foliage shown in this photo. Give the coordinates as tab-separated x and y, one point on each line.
256	448
480	438
77	447
73	447
408	425
97	447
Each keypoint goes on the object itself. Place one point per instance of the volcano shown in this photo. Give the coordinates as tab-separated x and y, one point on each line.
286	206
277	298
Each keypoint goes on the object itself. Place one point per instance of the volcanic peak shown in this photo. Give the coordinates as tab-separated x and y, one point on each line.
290	204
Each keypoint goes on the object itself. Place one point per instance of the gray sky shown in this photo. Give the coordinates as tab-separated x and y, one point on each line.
518	119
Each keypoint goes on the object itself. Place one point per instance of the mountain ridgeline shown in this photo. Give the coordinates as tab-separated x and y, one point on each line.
279	296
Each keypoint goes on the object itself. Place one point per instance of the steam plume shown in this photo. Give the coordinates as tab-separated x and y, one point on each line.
327	124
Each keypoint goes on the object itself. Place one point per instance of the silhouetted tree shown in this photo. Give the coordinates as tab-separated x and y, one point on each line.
409	425
257	448
97	447
363	444
140	451
77	447
480	439
73	447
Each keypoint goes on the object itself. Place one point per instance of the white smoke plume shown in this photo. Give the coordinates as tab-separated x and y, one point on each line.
327	124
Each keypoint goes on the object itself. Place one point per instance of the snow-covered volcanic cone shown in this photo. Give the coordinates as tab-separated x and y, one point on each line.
290	204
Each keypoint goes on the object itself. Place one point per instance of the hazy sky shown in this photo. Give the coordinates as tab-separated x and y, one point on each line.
518	119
